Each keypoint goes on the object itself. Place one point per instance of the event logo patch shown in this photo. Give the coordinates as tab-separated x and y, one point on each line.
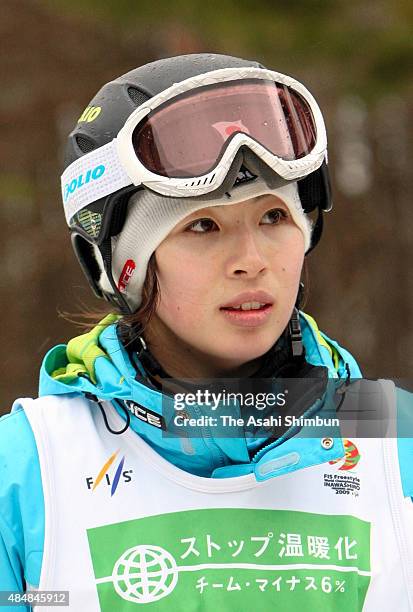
345	484
232	559
351	458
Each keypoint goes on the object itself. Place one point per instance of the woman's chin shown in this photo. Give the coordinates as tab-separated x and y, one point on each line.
247	348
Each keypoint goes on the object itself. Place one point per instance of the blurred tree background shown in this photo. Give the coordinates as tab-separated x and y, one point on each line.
356	57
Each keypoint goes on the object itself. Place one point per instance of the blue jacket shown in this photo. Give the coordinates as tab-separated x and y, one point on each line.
98	364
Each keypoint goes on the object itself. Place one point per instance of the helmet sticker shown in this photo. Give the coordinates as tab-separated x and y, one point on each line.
126	275
90	221
90	114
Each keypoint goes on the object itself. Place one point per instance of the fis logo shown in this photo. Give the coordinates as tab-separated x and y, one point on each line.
83	179
111	479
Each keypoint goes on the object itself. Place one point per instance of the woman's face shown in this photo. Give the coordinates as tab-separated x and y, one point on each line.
208	261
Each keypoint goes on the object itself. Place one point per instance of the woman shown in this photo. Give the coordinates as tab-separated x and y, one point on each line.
187	189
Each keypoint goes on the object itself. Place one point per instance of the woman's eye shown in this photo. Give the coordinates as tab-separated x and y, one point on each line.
201	226
275	216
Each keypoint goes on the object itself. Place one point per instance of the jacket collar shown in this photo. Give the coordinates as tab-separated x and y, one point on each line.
98	364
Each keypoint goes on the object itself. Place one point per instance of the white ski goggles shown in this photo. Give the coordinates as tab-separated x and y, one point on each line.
182	142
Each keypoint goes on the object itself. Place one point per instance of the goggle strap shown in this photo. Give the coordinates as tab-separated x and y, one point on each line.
317	230
91	177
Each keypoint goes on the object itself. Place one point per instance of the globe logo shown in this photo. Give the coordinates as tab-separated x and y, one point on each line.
144	574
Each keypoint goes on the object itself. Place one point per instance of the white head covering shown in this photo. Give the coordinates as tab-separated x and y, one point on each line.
151	217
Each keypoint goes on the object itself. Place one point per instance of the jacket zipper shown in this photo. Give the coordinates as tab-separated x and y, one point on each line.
312	410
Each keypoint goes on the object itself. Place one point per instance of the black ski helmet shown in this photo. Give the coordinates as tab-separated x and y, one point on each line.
100	123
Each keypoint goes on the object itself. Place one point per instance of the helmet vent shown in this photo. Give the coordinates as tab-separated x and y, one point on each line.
137	96
85	144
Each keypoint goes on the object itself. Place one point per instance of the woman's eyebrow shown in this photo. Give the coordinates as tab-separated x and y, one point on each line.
276	201
197	214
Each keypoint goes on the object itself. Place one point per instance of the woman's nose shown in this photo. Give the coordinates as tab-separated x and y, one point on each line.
247	256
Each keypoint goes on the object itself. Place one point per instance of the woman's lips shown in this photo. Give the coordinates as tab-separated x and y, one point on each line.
260	296
248	318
